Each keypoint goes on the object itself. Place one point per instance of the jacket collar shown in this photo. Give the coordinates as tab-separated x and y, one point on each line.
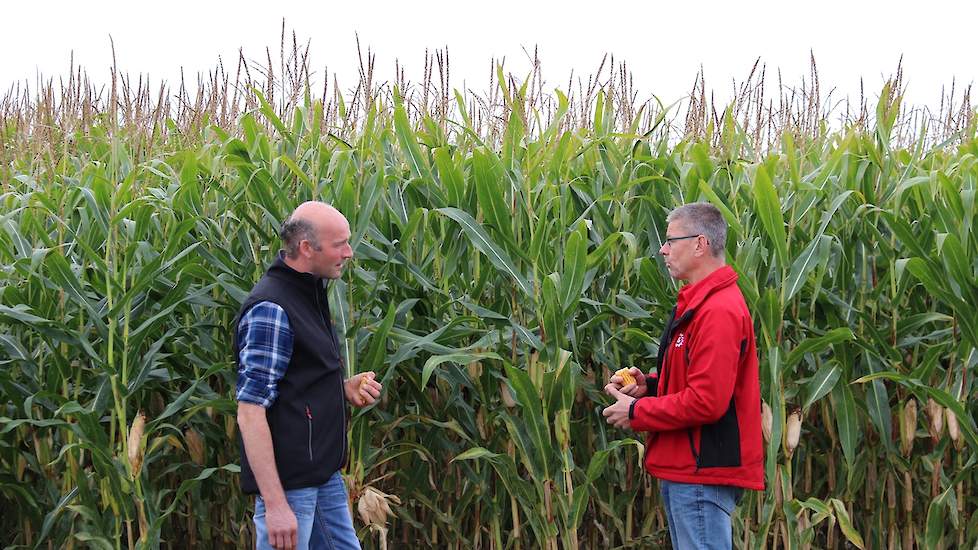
691	296
282	270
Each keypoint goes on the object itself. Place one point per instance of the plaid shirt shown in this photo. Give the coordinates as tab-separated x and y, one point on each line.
265	348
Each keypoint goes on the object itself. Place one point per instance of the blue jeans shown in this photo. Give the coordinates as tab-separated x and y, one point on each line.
323	516
699	515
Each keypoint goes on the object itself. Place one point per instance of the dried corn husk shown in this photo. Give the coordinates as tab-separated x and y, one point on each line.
936	414
767	421
374	507
135	444
793	432
507	397
475	369
195	445
908	426
954	430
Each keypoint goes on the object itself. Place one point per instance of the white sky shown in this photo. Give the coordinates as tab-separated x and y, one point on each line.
664	43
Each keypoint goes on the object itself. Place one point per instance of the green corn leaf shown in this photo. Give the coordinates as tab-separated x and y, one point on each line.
845	524
847	422
819	344
815	254
821	384
478	236
457	358
769	212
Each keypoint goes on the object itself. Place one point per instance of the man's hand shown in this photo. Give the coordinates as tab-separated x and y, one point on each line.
282	526
279	519
362	389
638	389
617	413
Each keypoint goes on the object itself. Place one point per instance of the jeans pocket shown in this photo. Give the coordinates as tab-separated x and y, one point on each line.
302	502
726	498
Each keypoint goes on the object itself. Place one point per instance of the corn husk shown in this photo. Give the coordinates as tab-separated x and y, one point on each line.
135	444
793	432
936	414
767	421
506	395
374	507
954	430
908	426
475	369
195	445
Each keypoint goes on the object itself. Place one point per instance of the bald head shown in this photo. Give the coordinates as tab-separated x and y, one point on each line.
307	223
315	210
316	239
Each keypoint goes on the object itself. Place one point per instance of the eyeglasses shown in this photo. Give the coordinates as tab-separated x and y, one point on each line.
670	240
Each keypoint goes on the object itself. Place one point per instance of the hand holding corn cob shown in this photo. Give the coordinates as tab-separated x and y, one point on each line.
626	377
362	389
630	381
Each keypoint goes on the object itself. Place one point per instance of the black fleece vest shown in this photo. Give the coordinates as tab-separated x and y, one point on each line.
308	418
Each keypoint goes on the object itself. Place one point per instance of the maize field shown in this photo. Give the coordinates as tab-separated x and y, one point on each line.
506	264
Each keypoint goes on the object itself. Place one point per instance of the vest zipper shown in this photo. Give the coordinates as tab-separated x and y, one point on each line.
309	418
323	313
343	455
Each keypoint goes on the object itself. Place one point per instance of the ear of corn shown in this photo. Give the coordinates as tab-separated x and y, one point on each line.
908	426
136	444
792	432
767	420
195	446
953	430
936	414
626	377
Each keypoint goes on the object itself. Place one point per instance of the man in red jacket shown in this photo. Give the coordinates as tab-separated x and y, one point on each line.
701	407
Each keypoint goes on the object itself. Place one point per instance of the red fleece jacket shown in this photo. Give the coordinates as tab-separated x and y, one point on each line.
704	415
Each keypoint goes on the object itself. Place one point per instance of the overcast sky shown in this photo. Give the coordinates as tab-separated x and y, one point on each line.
664	43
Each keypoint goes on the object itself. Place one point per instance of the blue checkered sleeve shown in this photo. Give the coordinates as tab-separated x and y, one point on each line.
265	348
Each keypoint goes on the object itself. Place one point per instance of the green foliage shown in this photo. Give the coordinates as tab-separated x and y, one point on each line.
495	289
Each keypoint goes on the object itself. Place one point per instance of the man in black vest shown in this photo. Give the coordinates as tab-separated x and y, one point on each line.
291	389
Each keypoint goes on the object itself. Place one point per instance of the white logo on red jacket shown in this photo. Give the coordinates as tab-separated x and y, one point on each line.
680	340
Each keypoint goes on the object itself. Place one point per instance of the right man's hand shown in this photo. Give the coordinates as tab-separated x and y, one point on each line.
638	389
282	526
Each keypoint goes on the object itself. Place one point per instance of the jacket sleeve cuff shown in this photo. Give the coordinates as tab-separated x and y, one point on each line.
651	386
639	414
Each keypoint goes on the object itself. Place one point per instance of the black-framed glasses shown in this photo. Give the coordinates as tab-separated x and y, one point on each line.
671	240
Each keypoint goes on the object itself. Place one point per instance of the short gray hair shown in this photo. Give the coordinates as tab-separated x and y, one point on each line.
293	232
705	219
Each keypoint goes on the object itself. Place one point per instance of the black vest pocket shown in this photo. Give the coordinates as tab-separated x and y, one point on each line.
720	442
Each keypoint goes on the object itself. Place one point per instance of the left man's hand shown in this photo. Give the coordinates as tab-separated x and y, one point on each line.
617	413
362	389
